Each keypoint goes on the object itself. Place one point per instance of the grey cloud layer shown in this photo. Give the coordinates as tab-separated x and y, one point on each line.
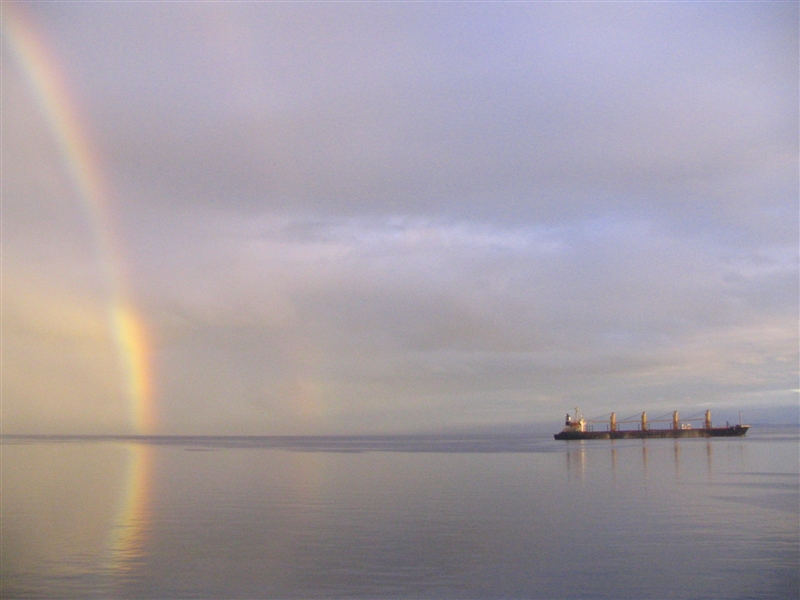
531	112
399	311
351	217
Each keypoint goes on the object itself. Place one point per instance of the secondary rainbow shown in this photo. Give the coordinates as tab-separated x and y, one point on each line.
45	78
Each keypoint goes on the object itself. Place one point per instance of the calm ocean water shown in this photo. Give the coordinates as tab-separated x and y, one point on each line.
401	517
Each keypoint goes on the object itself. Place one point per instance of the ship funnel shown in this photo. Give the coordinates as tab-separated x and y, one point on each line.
613	422
675	423
644	421
708	419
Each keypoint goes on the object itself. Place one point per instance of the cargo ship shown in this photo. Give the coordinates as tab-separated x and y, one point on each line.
578	428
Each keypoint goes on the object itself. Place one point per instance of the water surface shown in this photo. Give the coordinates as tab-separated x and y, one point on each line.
409	517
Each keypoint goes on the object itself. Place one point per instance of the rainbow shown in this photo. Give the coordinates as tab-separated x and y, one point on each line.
134	521
48	85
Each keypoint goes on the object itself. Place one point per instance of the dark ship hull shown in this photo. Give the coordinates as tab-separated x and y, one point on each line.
731	431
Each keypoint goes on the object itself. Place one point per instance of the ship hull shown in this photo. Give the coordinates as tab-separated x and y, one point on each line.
732	431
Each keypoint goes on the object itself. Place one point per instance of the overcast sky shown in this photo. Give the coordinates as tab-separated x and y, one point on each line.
379	217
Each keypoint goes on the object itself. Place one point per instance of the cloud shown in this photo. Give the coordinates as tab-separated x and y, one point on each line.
529	112
374	217
407	316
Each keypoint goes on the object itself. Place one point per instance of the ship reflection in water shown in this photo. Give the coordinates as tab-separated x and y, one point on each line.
401	517
576	456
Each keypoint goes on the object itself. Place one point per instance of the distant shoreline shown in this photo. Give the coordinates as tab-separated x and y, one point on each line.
455	435
411	443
